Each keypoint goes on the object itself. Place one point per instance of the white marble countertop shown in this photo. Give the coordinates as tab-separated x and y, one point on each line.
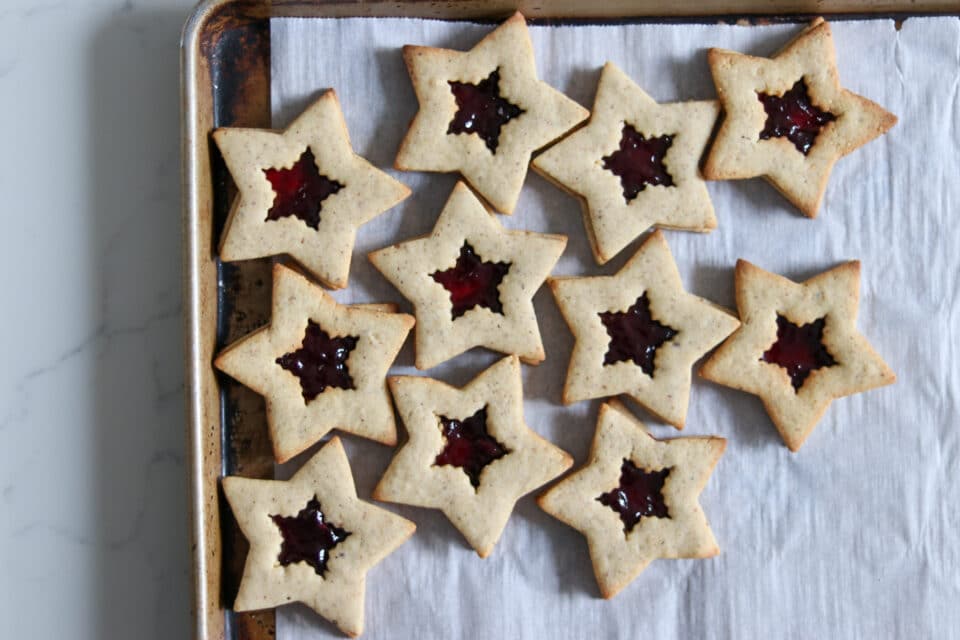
93	532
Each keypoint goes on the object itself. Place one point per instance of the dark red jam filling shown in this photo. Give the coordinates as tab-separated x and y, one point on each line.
320	362
481	109
635	335
300	190
799	350
307	537
793	116
468	445
473	282
639	495
639	162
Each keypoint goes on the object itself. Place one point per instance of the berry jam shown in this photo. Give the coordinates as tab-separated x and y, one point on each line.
473	282
639	495
307	537
468	445
639	162
481	109
635	335
299	190
799	350
793	116
320	362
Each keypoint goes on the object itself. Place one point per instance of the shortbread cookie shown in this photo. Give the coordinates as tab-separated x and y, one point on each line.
302	192
798	348
472	282
319	365
470	453
484	112
638	332
311	539
636	499
788	119
635	165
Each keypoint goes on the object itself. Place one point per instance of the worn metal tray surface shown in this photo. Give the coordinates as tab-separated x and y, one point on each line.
226	82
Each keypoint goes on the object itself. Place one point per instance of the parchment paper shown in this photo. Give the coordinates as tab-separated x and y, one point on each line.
855	536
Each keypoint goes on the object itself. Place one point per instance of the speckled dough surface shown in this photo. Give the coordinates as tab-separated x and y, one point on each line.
294	423
832	295
325	251
337	595
547	114
577	165
738	152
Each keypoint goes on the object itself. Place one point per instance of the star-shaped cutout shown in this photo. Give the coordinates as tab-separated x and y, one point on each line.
302	192
677	528
510	118
510	326
320	362
649	353
364	535
467	444
749	359
663	187
749	144
480	511
299	411
473	282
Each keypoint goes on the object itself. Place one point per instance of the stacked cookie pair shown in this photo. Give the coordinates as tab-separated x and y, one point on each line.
484	113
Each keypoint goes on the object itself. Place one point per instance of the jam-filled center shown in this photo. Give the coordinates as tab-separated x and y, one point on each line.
300	190
799	349
635	335
482	110
308	537
320	362
793	116
472	282
639	162
639	495
468	445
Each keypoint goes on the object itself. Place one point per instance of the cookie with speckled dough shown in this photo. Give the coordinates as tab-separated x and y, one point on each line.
798	348
788	119
637	498
311	539
302	192
472	282
470	453
638	332
634	165
483	112
319	365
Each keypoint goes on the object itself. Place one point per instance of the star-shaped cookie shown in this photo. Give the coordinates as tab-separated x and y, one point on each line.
472	282
636	499
470	453
303	192
638	332
798	347
319	365
635	165
483	112
787	118
311	539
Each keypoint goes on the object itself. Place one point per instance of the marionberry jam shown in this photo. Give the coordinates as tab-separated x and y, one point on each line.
794	117
473	282
799	349
639	162
639	495
481	109
308	537
468	445
635	335
320	362
300	190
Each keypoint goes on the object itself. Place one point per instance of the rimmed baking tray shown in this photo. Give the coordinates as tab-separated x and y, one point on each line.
226	82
